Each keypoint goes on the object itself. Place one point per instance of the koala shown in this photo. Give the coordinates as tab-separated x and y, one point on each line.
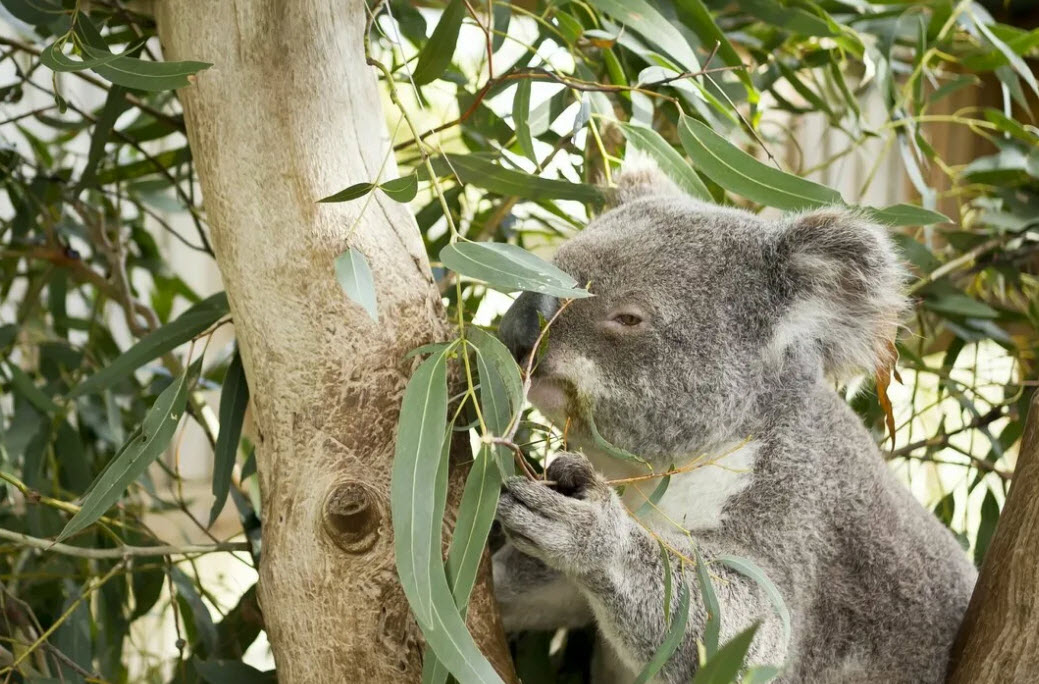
716	336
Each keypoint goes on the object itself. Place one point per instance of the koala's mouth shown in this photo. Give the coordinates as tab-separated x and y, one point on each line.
553	396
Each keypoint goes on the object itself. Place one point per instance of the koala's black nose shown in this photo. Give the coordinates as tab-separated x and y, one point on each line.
521	324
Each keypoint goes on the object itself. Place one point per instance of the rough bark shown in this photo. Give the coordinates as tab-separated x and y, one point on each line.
290	113
999	639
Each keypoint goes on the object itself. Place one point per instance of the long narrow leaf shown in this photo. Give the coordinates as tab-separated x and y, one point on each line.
667	158
436	54
155	344
234	398
355	277
673	638
509	268
727	663
158	428
749	569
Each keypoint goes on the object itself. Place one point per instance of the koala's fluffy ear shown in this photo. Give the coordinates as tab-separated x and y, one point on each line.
845	285
640	177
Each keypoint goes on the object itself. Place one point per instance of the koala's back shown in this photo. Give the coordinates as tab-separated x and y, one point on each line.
875	584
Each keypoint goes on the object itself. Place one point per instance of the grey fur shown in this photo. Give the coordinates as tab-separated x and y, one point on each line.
745	323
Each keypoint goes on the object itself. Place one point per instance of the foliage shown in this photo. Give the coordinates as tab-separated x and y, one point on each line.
102	336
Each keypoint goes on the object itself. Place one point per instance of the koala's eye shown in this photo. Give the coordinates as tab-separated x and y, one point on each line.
626	319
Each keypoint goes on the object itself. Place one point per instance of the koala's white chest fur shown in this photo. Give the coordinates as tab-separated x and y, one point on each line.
695	500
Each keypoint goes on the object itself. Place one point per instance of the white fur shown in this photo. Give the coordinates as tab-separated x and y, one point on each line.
696	500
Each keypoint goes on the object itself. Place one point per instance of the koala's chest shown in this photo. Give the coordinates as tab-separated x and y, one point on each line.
694	499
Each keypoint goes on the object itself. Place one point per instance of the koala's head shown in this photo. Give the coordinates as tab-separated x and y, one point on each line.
700	311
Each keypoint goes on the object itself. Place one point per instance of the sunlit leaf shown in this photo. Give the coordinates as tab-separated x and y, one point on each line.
738	172
509	268
355	277
647	21
667	158
435	55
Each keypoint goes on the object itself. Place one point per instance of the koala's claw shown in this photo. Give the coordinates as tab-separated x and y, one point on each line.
574	476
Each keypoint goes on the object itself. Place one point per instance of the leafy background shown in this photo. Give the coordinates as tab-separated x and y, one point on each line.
508	123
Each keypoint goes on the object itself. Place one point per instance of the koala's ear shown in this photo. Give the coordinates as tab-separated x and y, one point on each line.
640	177
844	284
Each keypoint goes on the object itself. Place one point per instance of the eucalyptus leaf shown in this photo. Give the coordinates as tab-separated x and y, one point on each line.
153	345
749	569
234	399
489	175
667	158
520	119
509	268
647	21
672	639
355	277
724	667
348	193
401	189
436	54
157	430
712	608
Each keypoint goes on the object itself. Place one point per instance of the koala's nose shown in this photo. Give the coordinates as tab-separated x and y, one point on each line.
521	324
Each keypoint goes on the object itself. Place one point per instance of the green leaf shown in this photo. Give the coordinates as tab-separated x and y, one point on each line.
130	71
155	344
668	580
725	666
906	215
401	189
34	12
958	304
713	625
417	501
761	674
696	16
752	571
115	104
672	640
1016	63
667	158
55	59
234	399
23	384
501	390
987	526
649	505
607	447
489	175
355	277
157	429
738	172
509	268
435	55
520	119
350	193
232	672
647	21
792	19
475	515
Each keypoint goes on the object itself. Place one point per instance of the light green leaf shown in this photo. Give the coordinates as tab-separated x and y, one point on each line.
349	193
501	390
401	189
436	54
649	505
417	508
355	277
647	21
667	158
509	268
696	16
713	625
906	215
751	570
1017	64
520	119
234	398
672	640
155	344
724	667
738	172
761	674
607	447
157	429
490	175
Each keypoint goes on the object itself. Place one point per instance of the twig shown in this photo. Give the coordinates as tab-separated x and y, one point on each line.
943	439
125	551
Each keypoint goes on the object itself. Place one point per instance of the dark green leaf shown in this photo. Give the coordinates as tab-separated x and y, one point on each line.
713	624
958	304
792	19
520	116
352	192
234	399
355	277
647	21
158	428
509	268
987	526
906	215
649	505
115	104
232	672
435	55
738	172
167	338
24	386
401	189
489	175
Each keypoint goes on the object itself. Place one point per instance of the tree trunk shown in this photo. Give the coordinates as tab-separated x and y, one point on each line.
290	113
999	639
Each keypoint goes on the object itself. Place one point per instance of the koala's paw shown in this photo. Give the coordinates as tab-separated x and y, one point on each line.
576	525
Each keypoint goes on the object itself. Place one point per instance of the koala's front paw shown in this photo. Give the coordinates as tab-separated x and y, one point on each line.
576	525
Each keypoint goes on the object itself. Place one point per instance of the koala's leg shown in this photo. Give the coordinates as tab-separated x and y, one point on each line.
581	528
534	596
